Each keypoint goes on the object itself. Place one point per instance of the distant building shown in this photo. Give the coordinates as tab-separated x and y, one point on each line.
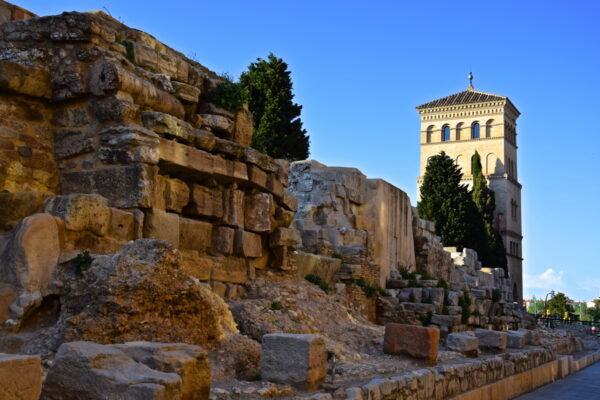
470	121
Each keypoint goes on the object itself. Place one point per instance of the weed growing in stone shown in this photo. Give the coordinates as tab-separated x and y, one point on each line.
316	280
82	262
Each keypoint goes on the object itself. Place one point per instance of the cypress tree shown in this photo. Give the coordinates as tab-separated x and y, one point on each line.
278	129
485	201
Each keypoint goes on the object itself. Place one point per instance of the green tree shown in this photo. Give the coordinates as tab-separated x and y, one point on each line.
593	313
448	203
494	252
558	305
278	129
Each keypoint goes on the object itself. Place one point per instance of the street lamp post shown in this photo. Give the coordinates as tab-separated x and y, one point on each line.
546	308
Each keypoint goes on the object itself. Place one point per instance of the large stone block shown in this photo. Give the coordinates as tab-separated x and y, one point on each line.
129	186
233	208
122	225
27	80
285	237
81	212
72	142
243	128
16	206
257	215
20	377
230	269
206	202
168	126
86	370
516	339
222	240
188	361
299	360
170	194
183	159
247	244
416	341
128	144
324	267
28	260
490	339
195	235
159	224
462	342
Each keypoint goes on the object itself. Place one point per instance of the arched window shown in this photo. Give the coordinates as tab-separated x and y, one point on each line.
445	133
429	133
458	129
475	134
488	128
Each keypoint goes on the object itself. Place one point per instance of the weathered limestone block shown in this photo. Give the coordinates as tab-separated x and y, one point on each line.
171	194
445	320
257	177
289	200
204	140
243	128
285	237
81	212
247	244
462	342
257	214
116	108
275	186
159	224
128	186
72	142
16	206
230	269
516	339
107	77
122	225
259	159
412	295
229	148
324	267
206	202
491	339
71	117
195	235
185	92
299	360
229	170
168	126
222	240
91	371
416	341
20	377
188	361
128	145
27	80
283	170
28	260
181	158
233	208
219	124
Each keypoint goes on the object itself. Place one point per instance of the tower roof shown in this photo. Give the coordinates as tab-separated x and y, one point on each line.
466	97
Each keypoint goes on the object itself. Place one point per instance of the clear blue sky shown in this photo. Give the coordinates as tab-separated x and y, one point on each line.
359	69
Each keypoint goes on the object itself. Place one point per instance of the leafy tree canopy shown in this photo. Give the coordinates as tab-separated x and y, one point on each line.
278	129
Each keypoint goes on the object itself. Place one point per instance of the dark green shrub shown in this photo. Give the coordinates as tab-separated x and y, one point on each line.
316	280
370	289
338	256
465	303
82	262
130	50
276	305
228	95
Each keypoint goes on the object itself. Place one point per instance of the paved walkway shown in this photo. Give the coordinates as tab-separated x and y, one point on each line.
582	385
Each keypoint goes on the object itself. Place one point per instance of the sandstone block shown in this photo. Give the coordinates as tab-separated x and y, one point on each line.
259	159
195	235
168	126
27	80
206	202
204	140
247	244
462	342
230	269
324	267
257	215
299	360
490	339
243	128
275	186
128	144
220	125
170	194
20	377
233	208
16	206
229	148
71	117
283	170
28	260
71	142
116	108
185	92
222	240
516	339
88	370
159	224
416	341
188	361
257	177
230	170
289	201
122	225
81	212
285	237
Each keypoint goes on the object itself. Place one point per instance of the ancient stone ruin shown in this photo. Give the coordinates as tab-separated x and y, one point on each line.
148	251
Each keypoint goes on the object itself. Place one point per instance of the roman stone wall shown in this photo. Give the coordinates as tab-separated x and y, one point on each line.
365	222
89	105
